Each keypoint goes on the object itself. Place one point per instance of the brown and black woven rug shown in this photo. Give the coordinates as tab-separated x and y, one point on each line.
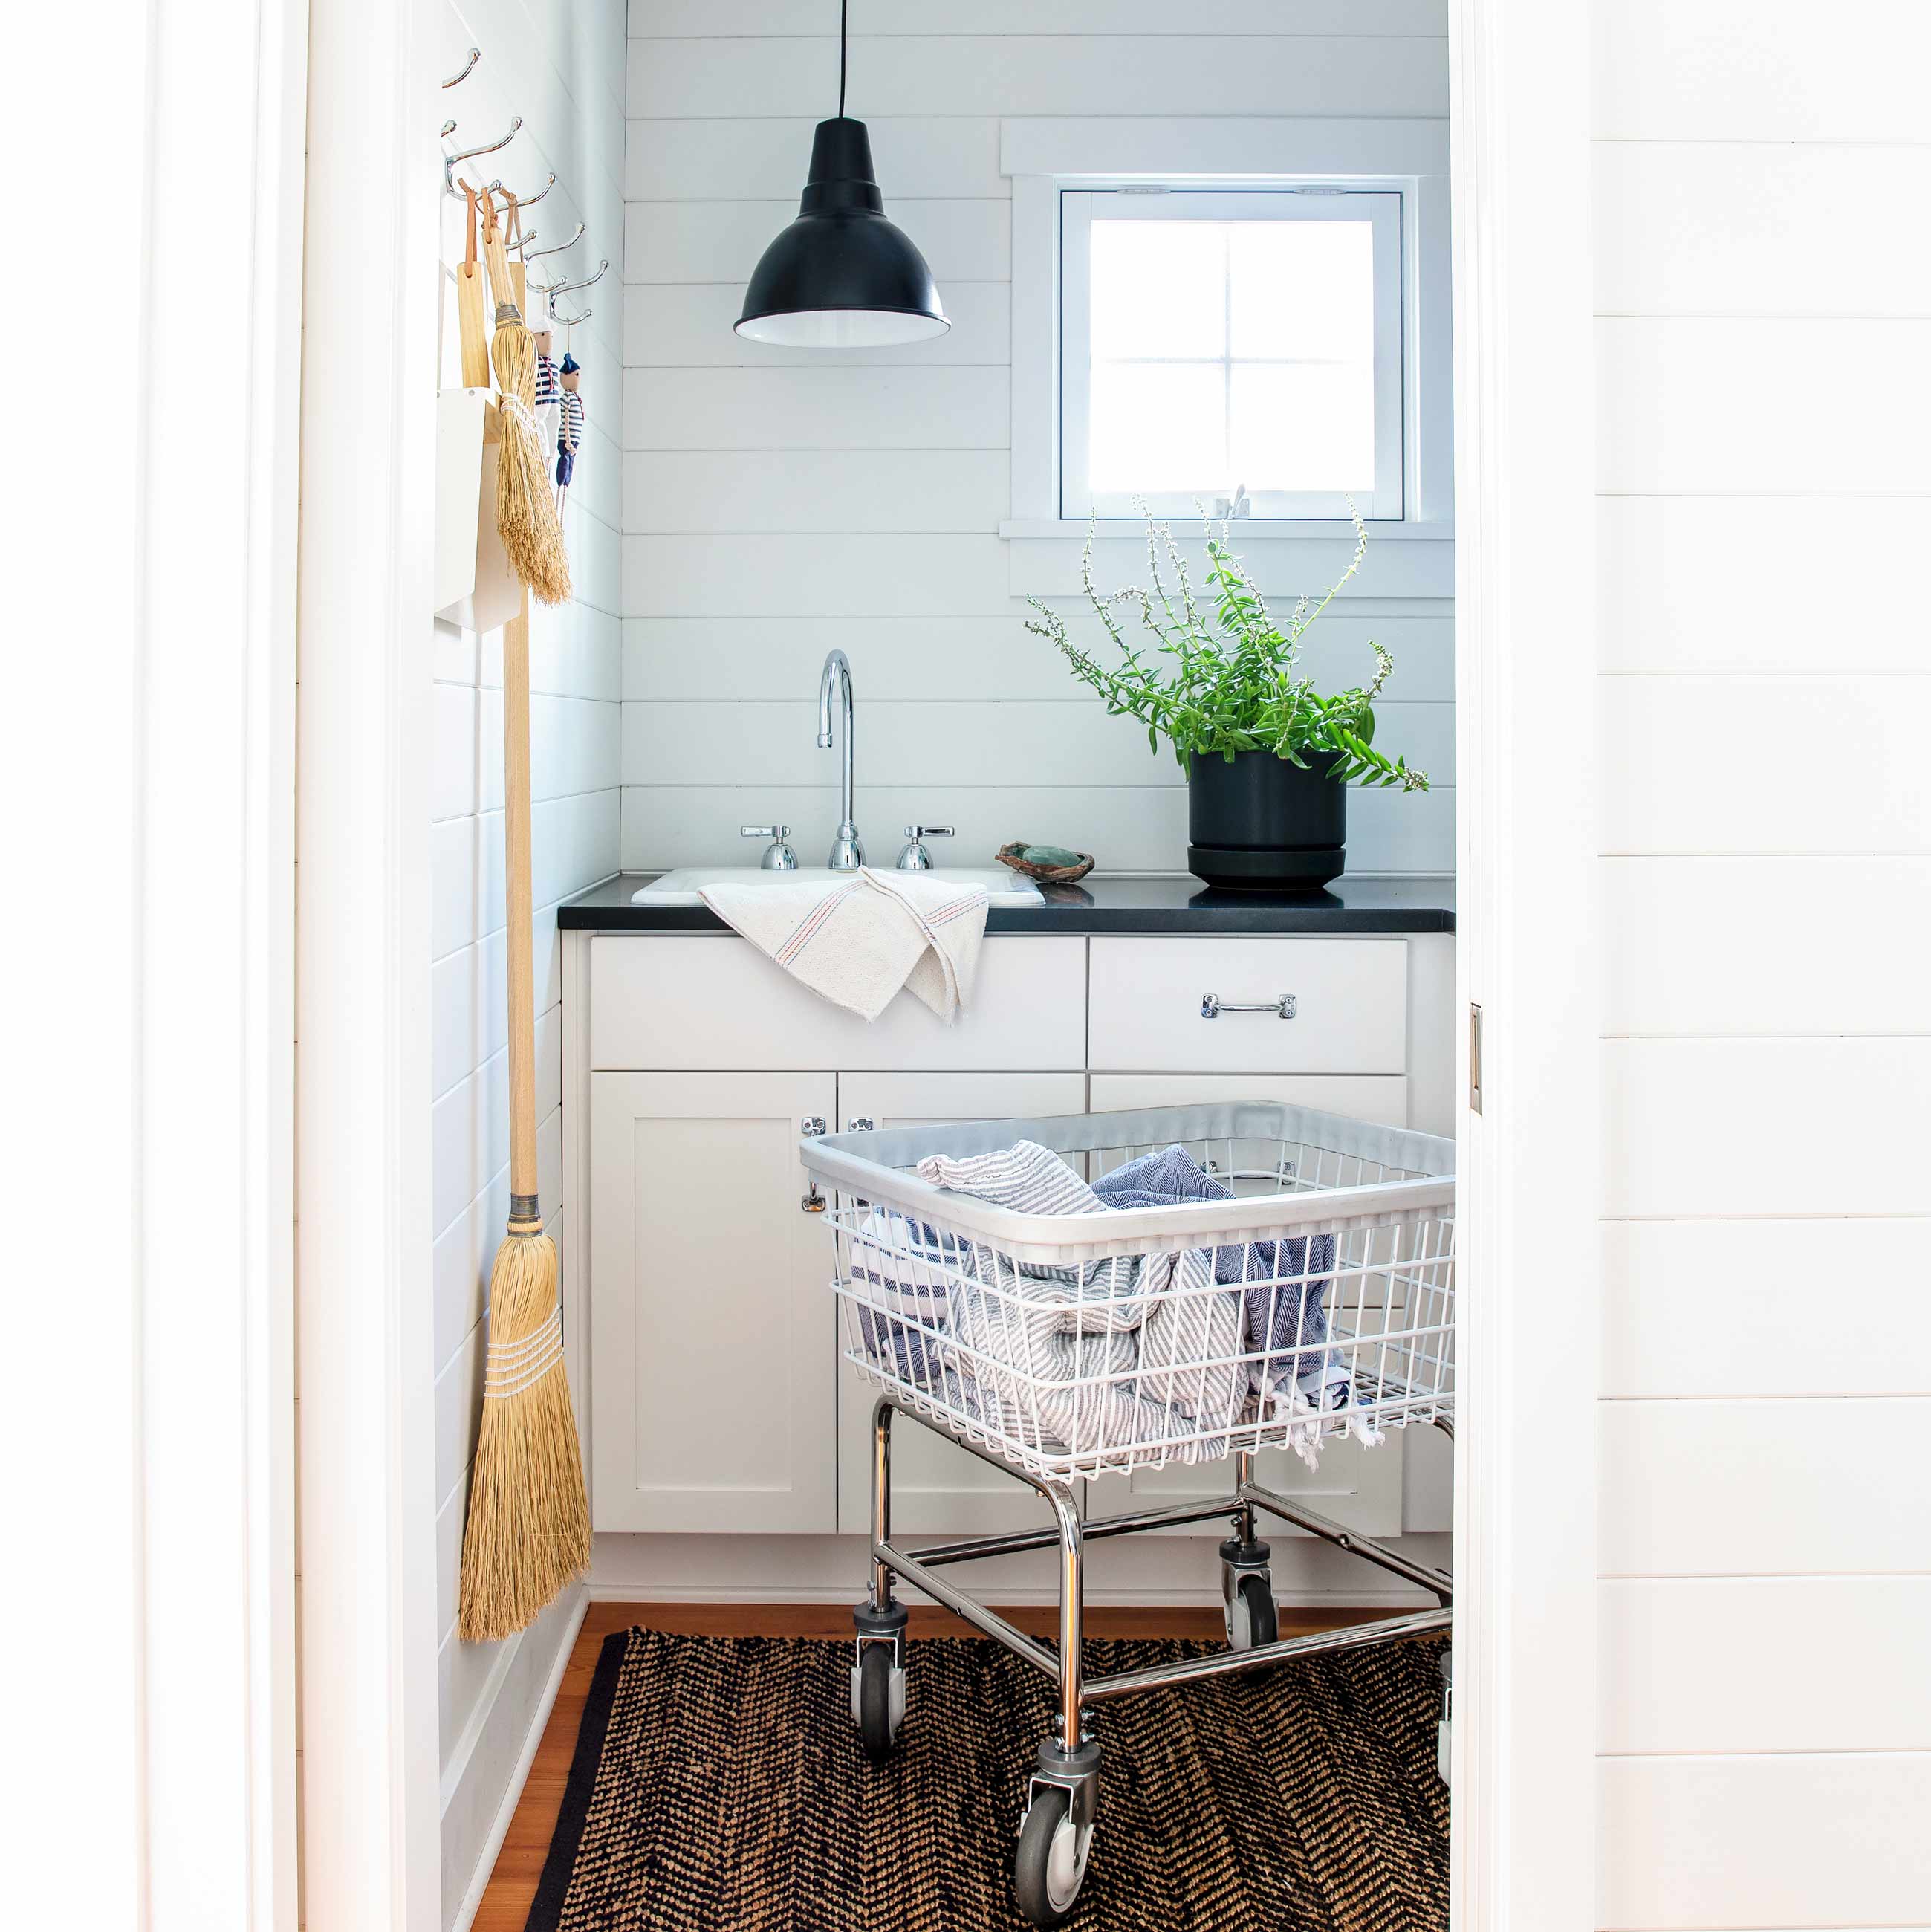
718	1786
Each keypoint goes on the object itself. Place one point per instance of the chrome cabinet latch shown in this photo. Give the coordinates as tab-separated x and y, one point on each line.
1212	1006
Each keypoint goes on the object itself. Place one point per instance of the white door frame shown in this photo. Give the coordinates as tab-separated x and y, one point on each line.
1524	1857
370	1808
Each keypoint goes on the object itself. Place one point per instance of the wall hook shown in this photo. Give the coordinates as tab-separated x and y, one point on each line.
522	200
561	288
560	246
569	321
449	161
462	73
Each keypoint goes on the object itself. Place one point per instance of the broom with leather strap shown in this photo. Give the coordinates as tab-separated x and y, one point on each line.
529	1528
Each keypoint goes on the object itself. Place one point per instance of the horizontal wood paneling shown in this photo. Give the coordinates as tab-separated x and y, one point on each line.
1693	1665
1708	765
1763	1488
1782	1307
766	159
1759	585
1759	70
1717	1128
1703	228
1071	744
1129	829
691	325
842	408
1687	951
1754	407
721	240
676	18
1272	73
815	576
773	492
1774	1842
968	657
781	503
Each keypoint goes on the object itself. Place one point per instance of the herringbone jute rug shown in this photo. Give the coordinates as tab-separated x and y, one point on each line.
718	1786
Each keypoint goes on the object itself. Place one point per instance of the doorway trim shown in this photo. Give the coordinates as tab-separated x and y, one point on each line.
1524	1853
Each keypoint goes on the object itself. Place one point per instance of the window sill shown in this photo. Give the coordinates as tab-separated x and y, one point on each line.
1248	530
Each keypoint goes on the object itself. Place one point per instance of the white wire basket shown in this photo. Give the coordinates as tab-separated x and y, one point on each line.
1316	1299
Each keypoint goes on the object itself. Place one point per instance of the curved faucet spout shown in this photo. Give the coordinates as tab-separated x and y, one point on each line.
847	853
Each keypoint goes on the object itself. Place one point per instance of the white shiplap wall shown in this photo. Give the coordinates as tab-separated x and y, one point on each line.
778	502
560	66
1764	333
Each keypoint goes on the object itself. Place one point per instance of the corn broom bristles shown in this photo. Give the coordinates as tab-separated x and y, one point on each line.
529	1529
532	531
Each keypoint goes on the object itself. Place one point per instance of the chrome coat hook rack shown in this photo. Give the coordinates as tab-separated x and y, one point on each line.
564	288
530	255
449	161
524	200
462	73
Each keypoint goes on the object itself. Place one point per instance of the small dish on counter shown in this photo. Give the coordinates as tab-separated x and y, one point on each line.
1014	855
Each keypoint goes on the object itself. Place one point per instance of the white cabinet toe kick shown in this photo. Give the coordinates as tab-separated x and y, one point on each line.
703	1335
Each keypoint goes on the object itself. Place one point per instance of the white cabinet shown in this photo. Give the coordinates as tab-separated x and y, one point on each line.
719	1400
714	1400
936	1487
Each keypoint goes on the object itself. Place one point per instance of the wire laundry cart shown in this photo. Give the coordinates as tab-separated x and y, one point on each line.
1317	1300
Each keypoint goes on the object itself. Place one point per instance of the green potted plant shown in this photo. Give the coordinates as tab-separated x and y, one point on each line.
1268	758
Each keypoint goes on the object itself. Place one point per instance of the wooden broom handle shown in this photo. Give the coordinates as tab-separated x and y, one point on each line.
517	935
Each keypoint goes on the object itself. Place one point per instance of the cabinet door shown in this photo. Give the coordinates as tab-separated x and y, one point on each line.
713	1397
937	1488
1360	1487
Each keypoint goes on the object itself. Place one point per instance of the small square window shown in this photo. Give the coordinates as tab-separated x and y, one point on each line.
1212	342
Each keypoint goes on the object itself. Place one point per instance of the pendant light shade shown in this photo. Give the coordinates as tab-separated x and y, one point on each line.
841	276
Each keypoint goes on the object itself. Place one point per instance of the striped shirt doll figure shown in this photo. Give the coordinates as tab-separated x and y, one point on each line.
570	436
549	392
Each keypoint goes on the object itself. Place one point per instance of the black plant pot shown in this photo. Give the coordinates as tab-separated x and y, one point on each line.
1262	824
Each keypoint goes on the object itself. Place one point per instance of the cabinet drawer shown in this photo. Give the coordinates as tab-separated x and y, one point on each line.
712	1002
1350	1006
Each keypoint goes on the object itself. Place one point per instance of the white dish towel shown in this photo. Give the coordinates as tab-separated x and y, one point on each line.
857	941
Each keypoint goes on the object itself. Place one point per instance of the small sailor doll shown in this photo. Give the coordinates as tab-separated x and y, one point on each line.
549	392
570	435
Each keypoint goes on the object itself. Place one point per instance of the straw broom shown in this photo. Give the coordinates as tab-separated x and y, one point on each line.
526	504
529	1528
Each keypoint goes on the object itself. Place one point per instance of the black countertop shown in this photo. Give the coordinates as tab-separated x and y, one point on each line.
1174	902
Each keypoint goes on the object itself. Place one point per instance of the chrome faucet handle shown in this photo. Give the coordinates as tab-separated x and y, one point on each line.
779	857
915	858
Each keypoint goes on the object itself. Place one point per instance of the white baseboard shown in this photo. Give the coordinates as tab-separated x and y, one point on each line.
1149	1570
493	1842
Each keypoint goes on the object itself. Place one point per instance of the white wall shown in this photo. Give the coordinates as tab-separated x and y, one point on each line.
1764	330
560	66
778	503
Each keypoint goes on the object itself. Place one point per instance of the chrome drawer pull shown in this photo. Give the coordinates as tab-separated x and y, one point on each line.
1212	1006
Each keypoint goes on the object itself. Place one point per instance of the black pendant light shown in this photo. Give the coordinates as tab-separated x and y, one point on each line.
841	276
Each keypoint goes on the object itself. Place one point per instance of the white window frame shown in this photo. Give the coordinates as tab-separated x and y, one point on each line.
1381	207
1410	556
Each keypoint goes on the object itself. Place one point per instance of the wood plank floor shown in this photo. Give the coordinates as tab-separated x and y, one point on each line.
512	1884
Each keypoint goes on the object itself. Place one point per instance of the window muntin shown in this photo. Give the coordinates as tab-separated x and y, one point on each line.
1215	339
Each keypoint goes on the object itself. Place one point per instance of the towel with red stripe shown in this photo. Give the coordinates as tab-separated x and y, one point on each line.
861	938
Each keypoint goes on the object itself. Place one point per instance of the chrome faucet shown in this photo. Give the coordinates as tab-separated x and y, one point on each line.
847	853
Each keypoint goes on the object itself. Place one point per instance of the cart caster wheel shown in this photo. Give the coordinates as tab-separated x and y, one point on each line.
1051	1866
878	1700
1252	1619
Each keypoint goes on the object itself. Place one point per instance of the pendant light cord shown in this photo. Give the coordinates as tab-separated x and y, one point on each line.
843	5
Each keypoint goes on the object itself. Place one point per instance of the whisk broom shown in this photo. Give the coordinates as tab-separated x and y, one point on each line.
529	1527
526	507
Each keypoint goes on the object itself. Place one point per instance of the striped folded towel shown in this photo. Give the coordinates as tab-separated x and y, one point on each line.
856	941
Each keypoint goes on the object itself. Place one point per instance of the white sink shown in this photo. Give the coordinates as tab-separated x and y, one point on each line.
1003	888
